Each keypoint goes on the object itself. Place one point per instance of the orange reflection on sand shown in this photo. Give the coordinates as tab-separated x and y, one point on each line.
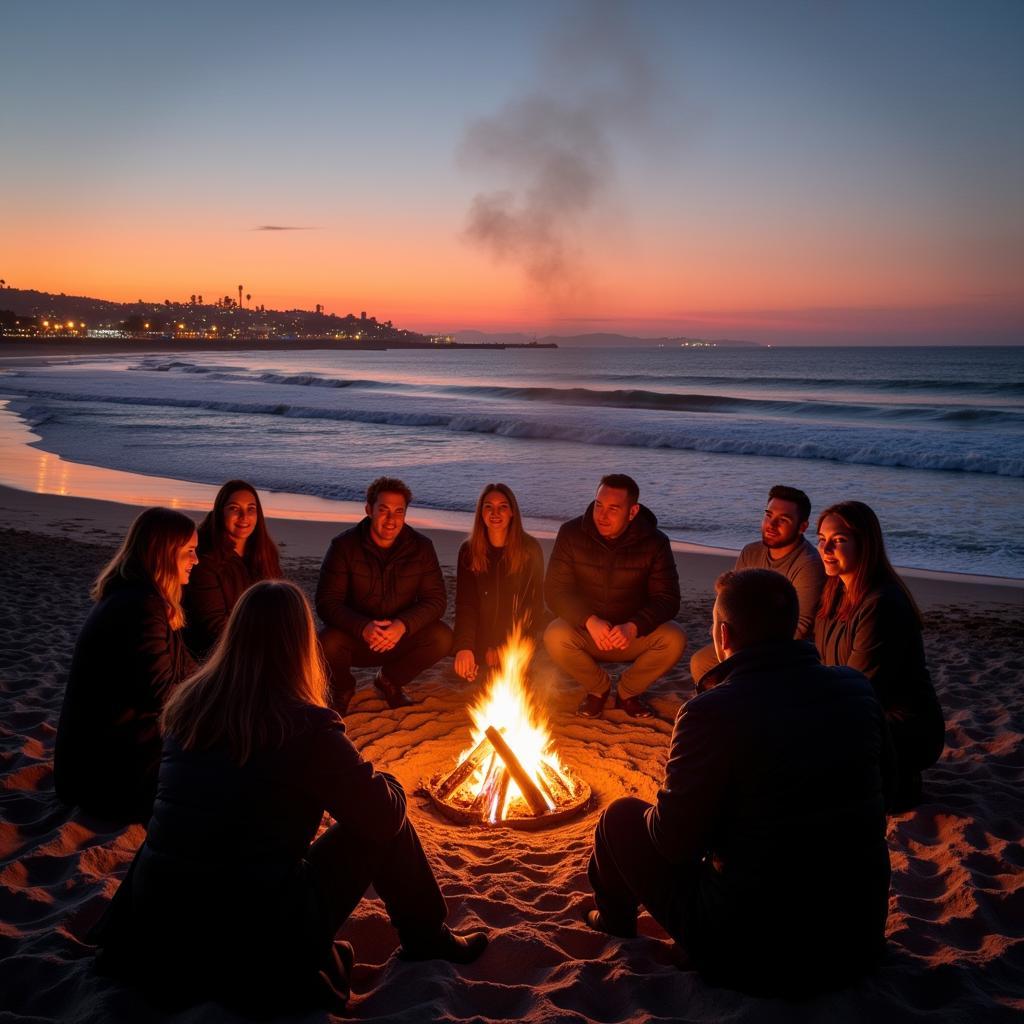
29	469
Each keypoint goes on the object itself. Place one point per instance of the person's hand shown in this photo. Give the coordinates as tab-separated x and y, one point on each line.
465	665
391	632
599	633
373	634
621	636
491	657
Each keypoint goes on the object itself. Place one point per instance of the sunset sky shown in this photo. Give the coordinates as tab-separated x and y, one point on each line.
812	172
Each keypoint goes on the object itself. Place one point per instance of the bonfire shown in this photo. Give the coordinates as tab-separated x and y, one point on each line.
510	773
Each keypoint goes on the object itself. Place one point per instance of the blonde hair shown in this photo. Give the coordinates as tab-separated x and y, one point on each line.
515	544
266	661
149	554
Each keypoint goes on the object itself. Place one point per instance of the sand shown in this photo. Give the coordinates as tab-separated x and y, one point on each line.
956	924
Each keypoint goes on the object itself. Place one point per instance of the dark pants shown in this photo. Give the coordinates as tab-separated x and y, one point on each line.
403	663
626	870
344	866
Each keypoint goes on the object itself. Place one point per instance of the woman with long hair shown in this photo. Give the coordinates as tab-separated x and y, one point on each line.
235	551
869	620
230	897
500	581
128	659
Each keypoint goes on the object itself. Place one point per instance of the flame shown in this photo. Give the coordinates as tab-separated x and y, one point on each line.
508	704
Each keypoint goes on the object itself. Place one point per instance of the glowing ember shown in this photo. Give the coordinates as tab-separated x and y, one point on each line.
511	772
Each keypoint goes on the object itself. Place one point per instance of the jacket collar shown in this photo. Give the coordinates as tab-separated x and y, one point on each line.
780	654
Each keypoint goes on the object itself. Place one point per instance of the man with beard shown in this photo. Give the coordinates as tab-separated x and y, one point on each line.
784	548
612	582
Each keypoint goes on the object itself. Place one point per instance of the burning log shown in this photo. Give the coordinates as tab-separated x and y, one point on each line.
463	771
492	781
531	794
555	782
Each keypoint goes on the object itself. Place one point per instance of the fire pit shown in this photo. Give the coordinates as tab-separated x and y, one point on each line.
510	774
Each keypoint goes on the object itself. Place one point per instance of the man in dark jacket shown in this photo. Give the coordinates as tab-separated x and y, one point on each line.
765	853
613	584
381	597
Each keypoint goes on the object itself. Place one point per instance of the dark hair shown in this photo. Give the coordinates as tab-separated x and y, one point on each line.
267	659
796	496
873	567
760	606
390	484
621	482
261	555
149	554
515	547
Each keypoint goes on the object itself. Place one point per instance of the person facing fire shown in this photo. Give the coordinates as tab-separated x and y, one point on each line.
613	583
784	548
779	750
381	597
499	584
232	896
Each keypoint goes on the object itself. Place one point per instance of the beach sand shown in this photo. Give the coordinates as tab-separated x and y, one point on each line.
956	924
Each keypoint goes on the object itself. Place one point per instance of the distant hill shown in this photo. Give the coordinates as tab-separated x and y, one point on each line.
597	340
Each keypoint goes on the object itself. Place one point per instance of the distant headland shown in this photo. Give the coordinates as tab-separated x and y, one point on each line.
73	322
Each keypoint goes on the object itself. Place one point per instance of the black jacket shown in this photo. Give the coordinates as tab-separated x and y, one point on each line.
213	590
630	579
126	662
772	809
360	581
487	604
882	639
219	897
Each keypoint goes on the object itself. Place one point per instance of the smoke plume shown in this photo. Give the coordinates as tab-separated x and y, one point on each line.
553	151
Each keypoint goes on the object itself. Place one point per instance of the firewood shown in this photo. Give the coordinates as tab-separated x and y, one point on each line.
463	770
527	786
555	780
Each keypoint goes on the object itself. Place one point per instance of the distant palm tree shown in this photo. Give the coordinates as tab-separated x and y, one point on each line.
240	287
248	297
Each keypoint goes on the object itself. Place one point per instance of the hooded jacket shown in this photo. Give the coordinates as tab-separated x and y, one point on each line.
361	581
213	590
632	578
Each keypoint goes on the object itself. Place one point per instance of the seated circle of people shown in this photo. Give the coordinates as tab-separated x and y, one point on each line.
231	897
499	583
129	657
612	582
784	548
780	750
381	596
235	551
869	621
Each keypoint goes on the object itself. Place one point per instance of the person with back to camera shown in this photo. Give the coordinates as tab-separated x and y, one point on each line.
231	896
784	548
381	596
612	582
499	583
235	551
128	659
764	855
869	621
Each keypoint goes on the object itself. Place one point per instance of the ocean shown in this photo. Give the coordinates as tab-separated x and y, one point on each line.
931	438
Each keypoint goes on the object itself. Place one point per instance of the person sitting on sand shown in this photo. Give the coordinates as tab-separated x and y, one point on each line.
230	897
381	597
235	551
869	620
764	855
500	582
613	584
129	657
784	548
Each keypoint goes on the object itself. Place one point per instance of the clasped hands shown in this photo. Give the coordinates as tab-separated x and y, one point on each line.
383	634
607	637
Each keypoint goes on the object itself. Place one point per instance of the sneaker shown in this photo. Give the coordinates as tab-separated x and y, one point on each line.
597	923
635	707
392	693
592	705
448	945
